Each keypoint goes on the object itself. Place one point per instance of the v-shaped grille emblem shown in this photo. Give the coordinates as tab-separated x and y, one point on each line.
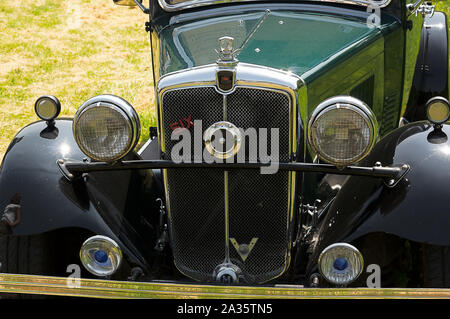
244	249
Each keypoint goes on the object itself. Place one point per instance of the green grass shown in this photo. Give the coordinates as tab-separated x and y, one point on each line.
74	50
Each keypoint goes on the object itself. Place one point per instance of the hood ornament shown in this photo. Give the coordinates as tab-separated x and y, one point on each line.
227	51
227	56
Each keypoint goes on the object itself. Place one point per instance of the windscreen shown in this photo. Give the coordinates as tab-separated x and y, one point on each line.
173	5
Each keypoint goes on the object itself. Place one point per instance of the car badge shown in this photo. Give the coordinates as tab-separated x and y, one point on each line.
222	140
244	249
226	75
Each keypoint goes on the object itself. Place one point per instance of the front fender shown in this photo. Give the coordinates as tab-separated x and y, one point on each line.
107	204
417	208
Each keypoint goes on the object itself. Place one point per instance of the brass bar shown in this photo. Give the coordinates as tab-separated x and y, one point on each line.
94	288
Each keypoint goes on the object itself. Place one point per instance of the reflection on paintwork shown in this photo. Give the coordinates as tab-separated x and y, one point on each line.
15	141
11	215
192	44
412	50
64	149
50	132
445	150
439	26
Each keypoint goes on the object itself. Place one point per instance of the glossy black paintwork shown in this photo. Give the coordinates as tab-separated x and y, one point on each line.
111	204
416	209
431	75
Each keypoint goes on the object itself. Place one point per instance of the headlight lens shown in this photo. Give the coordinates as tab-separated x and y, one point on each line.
342	130
106	128
340	263
100	255
438	110
47	107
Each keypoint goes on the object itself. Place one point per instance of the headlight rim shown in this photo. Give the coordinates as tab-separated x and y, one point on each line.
53	100
340	245
120	105
433	100
349	102
108	243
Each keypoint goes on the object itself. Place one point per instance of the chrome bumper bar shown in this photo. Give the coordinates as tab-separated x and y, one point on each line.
391	174
93	288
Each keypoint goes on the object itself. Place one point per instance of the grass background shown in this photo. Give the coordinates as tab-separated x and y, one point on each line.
74	49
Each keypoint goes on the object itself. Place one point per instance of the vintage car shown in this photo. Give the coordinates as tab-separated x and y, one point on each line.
298	143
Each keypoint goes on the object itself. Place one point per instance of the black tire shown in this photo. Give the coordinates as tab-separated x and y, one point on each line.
436	266
26	255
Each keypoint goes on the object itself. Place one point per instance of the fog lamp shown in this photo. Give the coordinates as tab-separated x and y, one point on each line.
340	263
438	110
47	107
100	255
342	130
106	128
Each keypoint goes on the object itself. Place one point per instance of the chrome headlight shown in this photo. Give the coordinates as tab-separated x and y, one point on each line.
101	255
340	263
342	130
106	128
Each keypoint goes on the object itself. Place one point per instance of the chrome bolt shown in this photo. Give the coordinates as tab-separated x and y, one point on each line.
315	280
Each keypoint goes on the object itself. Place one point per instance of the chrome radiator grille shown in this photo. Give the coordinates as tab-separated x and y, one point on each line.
210	215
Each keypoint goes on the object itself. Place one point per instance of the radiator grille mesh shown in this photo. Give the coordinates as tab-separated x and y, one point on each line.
258	204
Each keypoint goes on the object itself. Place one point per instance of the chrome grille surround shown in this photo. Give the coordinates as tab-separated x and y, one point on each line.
199	262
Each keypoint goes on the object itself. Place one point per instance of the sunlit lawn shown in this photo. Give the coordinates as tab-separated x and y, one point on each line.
74	50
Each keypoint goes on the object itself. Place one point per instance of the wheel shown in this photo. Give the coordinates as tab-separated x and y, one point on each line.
26	255
436	266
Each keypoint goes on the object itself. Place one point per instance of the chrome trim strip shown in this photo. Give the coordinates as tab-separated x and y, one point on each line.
143	147
95	288
225	107
206	74
226	196
199	3
227	218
